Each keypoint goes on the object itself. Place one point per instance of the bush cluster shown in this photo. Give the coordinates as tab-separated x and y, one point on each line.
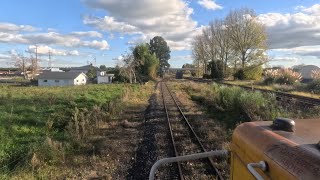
315	74
235	104
314	86
249	73
281	76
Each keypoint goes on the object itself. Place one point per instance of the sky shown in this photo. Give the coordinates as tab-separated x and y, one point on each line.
78	32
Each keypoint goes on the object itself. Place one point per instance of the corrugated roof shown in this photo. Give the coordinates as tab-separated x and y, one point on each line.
59	75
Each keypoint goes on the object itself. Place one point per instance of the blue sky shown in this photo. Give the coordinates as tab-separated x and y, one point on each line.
78	31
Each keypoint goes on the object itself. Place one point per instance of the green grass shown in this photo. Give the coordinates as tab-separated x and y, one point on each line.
233	105
29	115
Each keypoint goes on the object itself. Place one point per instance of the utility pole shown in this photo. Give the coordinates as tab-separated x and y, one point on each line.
35	62
49	62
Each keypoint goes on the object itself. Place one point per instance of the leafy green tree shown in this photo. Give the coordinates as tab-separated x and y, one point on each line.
92	72
159	47
146	64
253	73
103	68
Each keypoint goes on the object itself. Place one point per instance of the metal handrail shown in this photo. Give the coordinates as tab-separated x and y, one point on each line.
156	165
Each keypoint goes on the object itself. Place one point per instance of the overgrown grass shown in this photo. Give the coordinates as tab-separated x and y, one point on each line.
307	90
233	105
40	125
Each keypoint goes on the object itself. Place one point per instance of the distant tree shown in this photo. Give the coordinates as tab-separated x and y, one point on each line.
146	64
22	63
103	68
216	69
199	55
187	65
92	72
159	47
248	37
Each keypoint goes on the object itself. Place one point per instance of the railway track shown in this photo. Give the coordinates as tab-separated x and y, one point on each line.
185	141
280	96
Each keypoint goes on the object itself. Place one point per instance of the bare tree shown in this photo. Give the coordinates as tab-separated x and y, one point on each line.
20	62
199	54
34	67
247	35
127	67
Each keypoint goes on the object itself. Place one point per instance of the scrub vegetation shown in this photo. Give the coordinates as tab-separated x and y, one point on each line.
233	105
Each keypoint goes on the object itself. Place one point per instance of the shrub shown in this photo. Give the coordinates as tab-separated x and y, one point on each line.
253	73
246	106
270	76
239	74
288	76
281	76
314	86
315	74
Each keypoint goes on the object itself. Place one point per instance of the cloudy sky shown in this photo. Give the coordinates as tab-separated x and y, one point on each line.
78	31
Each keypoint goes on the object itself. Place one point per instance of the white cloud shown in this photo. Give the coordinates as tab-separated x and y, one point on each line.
315	10
182	58
73	39
85	34
292	30
170	19
108	24
286	59
9	27
45	50
313	51
101	45
4	57
209	4
11	38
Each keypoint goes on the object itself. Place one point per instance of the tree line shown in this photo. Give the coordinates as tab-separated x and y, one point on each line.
235	45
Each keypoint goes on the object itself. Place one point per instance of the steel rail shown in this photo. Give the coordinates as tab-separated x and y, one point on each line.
171	134
194	133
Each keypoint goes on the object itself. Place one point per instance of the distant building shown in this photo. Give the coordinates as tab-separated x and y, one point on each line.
104	78
306	72
52	70
62	79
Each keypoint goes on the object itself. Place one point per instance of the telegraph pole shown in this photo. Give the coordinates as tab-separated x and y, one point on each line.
49	63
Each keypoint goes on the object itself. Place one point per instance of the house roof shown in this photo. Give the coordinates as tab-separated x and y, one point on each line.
59	75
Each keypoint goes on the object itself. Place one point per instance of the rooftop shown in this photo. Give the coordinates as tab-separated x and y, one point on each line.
59	75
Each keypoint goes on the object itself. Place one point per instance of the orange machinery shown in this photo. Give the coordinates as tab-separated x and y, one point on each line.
282	149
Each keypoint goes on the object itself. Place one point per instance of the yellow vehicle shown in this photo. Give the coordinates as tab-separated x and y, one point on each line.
279	149
282	149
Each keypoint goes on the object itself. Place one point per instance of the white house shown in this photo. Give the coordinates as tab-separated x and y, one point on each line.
306	72
103	77
62	79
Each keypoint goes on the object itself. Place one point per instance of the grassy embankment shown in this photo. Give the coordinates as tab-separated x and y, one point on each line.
233	105
43	127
